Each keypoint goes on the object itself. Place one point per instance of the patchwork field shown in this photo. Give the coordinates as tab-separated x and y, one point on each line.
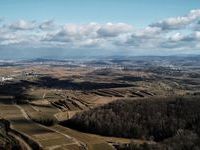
39	98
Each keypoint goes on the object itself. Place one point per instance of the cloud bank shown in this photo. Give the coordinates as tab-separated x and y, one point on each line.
176	34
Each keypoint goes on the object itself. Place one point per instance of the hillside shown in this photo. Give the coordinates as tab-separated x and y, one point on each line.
7	141
163	120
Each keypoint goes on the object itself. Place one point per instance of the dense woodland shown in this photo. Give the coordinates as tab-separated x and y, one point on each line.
183	140
164	120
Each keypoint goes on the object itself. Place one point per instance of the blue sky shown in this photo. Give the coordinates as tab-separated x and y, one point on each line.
110	27
140	12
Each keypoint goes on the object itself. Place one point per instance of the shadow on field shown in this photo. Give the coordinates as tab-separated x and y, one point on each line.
13	92
50	82
17	91
130	78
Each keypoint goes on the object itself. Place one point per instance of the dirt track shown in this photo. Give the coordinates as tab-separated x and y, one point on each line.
61	138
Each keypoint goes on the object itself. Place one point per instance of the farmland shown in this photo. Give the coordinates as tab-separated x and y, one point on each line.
45	100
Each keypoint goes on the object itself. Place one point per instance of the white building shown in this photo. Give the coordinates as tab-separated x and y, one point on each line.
3	79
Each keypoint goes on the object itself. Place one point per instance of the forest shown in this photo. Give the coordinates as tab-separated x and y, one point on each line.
163	120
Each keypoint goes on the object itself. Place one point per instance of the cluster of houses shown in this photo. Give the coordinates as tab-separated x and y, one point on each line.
20	76
3	79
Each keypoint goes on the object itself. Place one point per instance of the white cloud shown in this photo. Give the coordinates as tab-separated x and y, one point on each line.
47	25
176	37
88	34
113	30
178	22
196	26
170	34
22	25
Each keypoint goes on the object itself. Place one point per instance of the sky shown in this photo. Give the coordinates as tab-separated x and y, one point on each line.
70	28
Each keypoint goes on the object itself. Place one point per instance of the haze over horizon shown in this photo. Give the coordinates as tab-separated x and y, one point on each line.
63	29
